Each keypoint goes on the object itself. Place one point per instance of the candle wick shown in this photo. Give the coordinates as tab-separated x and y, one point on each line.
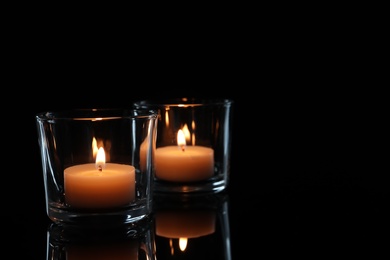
100	168
183	147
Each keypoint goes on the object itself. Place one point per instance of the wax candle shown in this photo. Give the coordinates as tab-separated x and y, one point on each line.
184	163
99	185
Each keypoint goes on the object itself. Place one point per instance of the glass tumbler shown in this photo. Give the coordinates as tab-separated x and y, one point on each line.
97	165
193	146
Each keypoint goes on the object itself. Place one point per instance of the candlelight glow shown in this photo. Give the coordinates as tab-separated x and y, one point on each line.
183	243
100	159
181	141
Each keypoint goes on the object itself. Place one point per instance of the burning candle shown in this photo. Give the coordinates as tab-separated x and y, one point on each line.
99	185
184	163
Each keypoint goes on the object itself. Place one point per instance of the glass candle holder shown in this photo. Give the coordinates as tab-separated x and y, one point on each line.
193	144
97	165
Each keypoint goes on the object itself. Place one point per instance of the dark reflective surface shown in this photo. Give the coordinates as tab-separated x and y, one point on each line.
297	219
71	242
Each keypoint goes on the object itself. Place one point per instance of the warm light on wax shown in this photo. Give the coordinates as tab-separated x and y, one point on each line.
100	184
184	163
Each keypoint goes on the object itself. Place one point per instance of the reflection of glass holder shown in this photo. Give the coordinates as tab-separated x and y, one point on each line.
74	243
195	226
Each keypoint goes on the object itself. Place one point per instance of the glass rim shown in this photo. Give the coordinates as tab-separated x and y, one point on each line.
182	102
96	114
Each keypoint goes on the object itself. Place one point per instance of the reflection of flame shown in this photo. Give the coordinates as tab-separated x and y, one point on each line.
171	246
166	118
183	243
94	147
193	134
193	139
187	133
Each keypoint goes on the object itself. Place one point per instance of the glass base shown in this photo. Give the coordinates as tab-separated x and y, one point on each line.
109	219
210	186
76	233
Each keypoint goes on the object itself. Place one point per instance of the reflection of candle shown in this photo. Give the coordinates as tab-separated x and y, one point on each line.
184	163
103	251
185	224
99	185
143	154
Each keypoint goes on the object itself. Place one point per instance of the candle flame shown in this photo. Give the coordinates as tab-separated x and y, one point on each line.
183	243
100	159
181	140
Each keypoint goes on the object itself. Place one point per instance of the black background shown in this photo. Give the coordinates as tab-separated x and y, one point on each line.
303	180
